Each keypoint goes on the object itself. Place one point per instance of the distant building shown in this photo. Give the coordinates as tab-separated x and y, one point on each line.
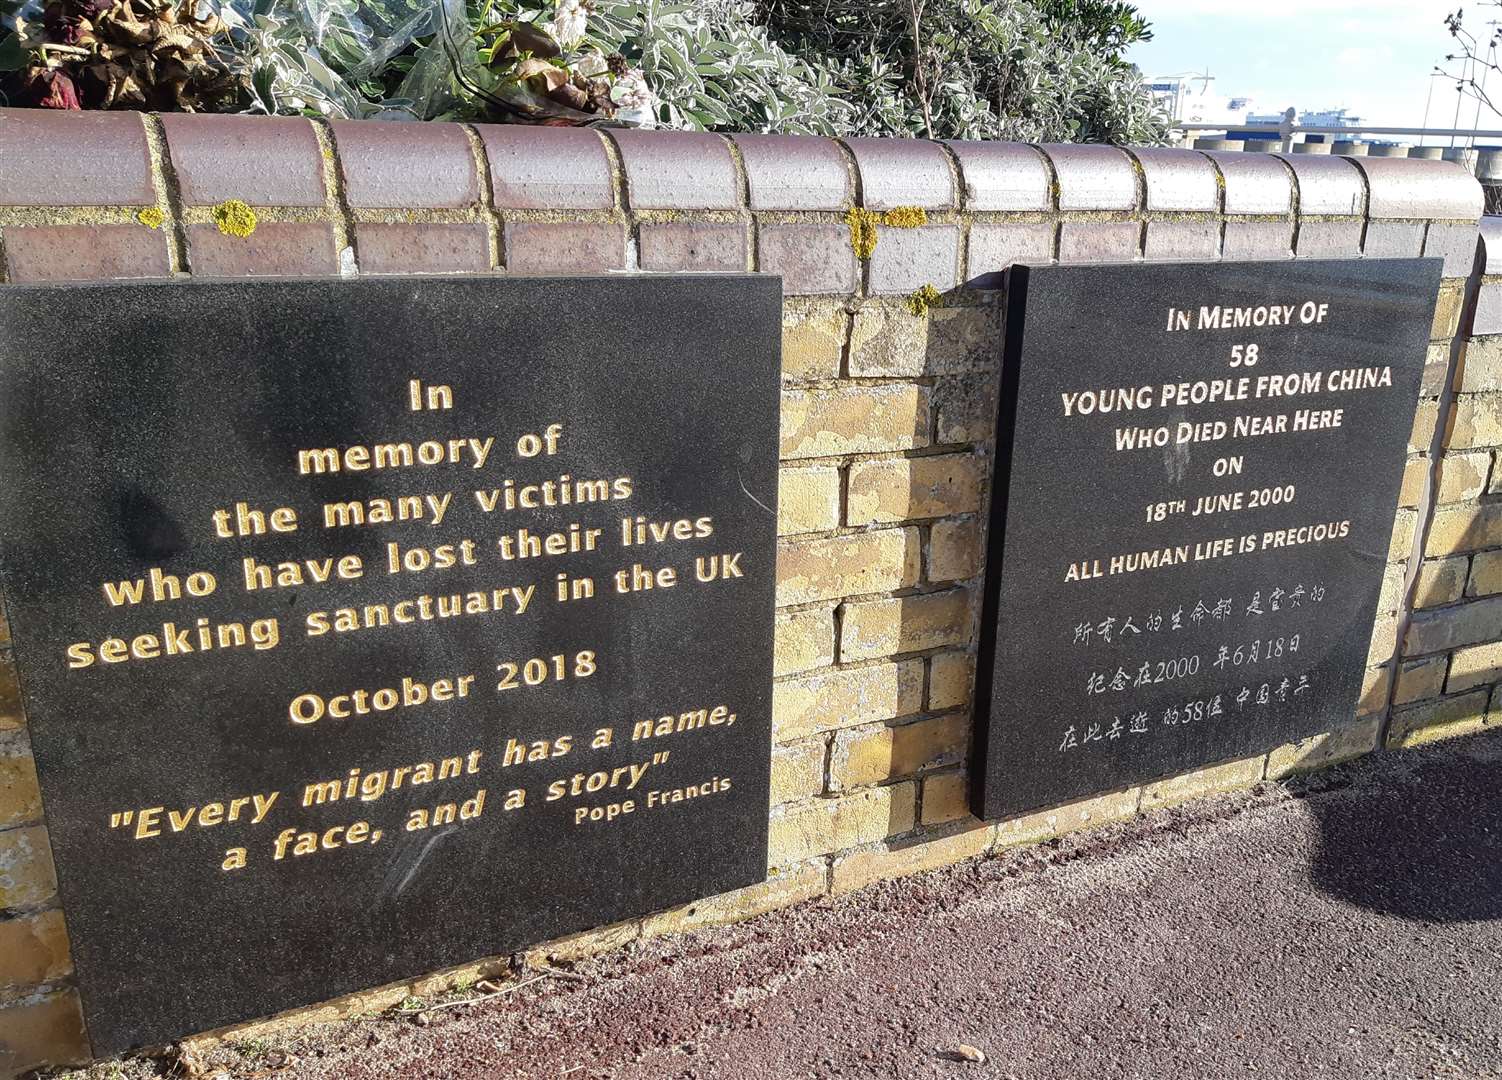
1189	100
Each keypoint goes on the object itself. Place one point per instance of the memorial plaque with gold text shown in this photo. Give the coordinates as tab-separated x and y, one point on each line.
369	627
1198	469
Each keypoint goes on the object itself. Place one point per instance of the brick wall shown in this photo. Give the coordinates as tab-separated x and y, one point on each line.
887	419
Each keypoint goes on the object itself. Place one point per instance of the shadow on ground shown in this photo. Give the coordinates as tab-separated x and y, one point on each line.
1427	848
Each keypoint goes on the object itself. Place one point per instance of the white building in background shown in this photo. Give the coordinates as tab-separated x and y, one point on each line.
1190	99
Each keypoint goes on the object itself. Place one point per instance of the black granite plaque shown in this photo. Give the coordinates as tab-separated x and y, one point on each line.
370	627
1198	469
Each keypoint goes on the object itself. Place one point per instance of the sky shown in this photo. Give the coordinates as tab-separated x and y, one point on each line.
1373	57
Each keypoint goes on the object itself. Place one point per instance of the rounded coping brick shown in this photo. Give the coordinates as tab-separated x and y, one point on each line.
1178	179
405	166
678	170
1255	183
1420	188
1491	244
1003	176
1093	177
794	172
1327	185
543	168
51	158
903	172
262	160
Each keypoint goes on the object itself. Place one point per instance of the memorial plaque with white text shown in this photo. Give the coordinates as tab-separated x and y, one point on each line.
1197	476
370	627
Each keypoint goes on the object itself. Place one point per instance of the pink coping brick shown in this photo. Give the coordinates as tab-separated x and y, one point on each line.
678	170
405	166
261	160
568	248
287	249
50	158
537	168
422	249
690	245
795	172
84	252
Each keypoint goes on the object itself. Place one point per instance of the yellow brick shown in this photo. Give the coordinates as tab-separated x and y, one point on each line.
1446	314
913	488
4	629
1088	813
813	339
1415	472
46	1031
868	865
1209	781
954	550
1436	367
838	699
888	340
820	826
1400	546
26	875
946	797
1474	665
1441	581
20	799
1421	436
792	886
1321	751
881	561
1420	679
1486	574
1384	640
1477	421
808	499
802	641
1390	598
577	947
1462	477
1464	528
853	420
797	771
33	950
11	717
1374	685
1435	720
950	677
904	624
877	753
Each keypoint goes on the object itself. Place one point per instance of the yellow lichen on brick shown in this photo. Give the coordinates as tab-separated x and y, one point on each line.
905	217
921	299
860	868
792	886
235	218
152	217
862	231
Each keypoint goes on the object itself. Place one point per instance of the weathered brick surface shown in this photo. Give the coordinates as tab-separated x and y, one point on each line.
853	419
1194	240
862	867
877	753
547	168
1002	176
1257	240
994	247
1451	627
33	951
1088	813
820	826
690	246
677	170
41	1032
946	797
792	172
40	254
887	340
954	549
20	798
1321	751
26	875
1436	720
285	249
790	886
903	172
1329	239
872	628
814	333
404	166
797	771
422	249
869	562
1201	782
1179	179
1099	241
261	160
808	499
907	259
51	158
951	676
802	641
826	701
814	260
912	488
